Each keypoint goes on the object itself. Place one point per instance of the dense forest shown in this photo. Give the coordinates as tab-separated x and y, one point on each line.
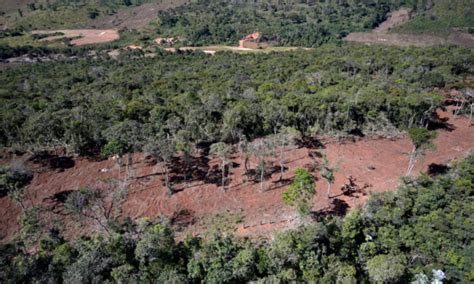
422	232
188	98
297	23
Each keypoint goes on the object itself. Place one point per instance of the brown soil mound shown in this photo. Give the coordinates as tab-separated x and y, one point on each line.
368	165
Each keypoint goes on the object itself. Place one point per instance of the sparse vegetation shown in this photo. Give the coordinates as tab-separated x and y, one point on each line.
421	231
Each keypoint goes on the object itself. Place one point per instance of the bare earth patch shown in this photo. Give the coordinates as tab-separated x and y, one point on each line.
375	165
82	37
382	35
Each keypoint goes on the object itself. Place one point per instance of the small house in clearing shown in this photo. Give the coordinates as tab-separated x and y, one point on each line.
253	41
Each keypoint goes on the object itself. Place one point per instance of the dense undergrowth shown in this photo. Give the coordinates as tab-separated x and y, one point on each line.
294	23
422	229
56	14
190	98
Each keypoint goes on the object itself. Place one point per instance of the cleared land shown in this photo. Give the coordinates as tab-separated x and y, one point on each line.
376	165
81	37
382	35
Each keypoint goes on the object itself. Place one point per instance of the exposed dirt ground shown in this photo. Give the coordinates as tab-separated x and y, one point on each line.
394	19
375	165
82	37
382	35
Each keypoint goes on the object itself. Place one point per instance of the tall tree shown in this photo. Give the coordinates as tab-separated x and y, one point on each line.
222	151
327	172
261	149
163	150
422	140
283	139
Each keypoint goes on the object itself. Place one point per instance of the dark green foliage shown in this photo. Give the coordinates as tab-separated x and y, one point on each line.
297	23
397	236
13	179
192	98
421	136
301	191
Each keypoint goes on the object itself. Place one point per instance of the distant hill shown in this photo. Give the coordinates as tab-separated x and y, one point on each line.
55	14
440	17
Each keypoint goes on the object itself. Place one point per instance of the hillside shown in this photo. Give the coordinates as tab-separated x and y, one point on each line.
208	141
440	17
420	232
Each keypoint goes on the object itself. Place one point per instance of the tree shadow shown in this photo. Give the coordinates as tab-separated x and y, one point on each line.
58	199
62	163
309	142
437	123
352	189
182	219
255	174
46	159
338	207
437	169
196	169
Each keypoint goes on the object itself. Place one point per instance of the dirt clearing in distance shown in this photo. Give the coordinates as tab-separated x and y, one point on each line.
382	35
81	37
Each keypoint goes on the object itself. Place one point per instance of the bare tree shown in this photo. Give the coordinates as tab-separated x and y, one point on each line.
222	151
465	103
162	149
245	152
101	203
261	149
283	139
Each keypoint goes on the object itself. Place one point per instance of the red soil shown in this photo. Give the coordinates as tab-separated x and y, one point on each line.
376	164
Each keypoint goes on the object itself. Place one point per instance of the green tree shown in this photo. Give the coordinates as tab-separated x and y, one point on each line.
386	268
301	192
327	172
422	140
13	182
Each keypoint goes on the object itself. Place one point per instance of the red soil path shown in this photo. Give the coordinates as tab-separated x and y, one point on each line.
376	163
